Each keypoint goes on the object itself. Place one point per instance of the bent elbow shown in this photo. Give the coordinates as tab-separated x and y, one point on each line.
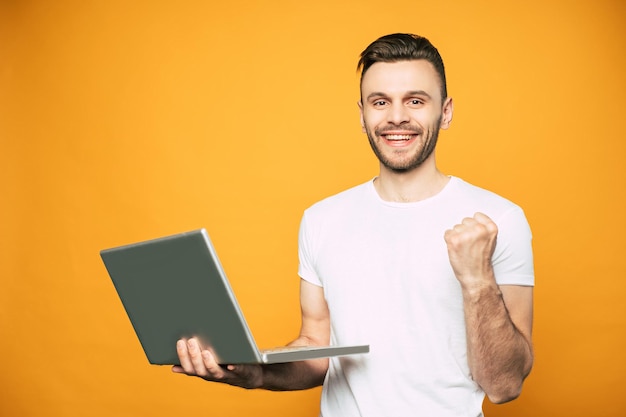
507	388
505	393
503	397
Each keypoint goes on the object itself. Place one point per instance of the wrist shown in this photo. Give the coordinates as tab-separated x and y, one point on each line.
479	285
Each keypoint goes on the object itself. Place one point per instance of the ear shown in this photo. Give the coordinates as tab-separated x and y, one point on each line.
446	113
360	104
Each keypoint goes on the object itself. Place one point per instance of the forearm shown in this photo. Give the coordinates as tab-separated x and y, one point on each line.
295	375
499	355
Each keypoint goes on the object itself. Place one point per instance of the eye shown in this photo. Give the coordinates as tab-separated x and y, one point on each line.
379	103
415	102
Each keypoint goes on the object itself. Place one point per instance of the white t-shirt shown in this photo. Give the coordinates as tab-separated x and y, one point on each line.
388	283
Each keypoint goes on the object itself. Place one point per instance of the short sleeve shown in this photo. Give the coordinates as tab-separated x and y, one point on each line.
513	257
306	268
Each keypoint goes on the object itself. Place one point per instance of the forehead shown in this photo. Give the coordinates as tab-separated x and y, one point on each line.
393	78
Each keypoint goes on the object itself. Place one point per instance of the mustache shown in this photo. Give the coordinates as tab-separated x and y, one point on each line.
415	130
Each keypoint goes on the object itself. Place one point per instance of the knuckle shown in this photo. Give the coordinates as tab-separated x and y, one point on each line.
189	370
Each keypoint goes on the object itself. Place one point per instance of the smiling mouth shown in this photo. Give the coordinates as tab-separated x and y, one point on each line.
398	137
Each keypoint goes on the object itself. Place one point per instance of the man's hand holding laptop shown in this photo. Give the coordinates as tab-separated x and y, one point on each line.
195	361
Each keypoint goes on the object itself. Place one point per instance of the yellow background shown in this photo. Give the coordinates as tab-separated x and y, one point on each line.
127	120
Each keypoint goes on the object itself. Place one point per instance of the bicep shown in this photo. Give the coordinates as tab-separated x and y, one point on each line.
315	314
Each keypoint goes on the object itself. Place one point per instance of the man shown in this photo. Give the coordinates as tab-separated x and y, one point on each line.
434	273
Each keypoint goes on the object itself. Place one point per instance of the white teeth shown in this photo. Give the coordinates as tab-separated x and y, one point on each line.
398	137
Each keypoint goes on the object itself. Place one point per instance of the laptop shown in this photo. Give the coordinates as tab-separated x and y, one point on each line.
174	288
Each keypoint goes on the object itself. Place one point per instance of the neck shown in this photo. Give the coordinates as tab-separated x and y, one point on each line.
405	187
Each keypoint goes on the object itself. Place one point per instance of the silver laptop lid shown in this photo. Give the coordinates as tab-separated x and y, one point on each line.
175	287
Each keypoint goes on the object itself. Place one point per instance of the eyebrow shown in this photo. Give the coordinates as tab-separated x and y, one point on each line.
421	93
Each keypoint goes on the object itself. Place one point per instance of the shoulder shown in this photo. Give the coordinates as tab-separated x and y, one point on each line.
343	201
513	258
338	211
464	189
482	200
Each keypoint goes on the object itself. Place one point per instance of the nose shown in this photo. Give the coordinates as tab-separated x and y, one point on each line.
398	114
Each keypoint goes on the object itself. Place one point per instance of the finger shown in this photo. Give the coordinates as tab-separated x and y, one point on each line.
183	357
195	356
213	368
486	221
448	235
469	222
454	234
482	218
203	362
461	228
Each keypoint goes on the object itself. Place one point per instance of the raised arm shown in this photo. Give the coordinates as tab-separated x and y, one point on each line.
315	331
498	318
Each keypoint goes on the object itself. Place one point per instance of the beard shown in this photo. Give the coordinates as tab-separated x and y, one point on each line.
411	162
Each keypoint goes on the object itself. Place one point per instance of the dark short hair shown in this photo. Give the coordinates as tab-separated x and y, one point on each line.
403	47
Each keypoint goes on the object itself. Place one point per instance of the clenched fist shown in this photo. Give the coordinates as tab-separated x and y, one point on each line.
470	247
